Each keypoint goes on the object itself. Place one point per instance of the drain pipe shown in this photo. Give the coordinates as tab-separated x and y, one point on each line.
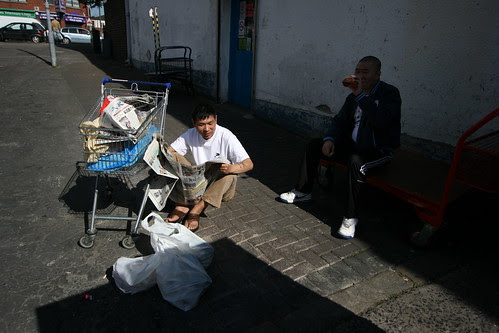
128	33
253	47
218	52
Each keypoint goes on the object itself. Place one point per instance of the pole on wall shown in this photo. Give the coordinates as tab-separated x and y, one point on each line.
153	13
218	51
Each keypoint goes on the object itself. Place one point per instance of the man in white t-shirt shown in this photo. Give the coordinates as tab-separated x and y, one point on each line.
208	141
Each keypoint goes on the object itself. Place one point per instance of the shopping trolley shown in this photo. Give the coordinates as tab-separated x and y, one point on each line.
116	149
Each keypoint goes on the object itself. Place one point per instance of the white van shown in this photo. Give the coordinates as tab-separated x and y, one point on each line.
4	20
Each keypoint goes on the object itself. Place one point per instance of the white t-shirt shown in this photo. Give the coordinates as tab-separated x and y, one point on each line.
223	143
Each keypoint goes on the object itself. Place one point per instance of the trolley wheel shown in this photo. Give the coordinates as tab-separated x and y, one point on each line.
127	242
424	237
86	241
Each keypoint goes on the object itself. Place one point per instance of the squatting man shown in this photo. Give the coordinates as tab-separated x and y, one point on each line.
207	141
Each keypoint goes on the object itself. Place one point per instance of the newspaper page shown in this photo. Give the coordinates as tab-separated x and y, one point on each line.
162	185
194	179
120	114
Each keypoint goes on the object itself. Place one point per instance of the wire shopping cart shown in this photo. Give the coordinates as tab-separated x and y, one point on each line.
116	133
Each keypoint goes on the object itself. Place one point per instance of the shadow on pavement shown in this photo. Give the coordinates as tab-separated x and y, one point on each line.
246	295
256	295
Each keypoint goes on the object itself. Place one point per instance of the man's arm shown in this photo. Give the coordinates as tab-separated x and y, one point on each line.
245	165
388	110
339	125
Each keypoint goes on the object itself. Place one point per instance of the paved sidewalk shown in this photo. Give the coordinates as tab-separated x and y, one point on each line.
276	267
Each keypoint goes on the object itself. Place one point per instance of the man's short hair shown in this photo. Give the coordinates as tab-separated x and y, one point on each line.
373	61
203	111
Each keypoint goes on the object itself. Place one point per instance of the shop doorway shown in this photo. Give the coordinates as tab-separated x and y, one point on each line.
242	25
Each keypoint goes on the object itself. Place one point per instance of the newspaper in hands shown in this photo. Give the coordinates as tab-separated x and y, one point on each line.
194	179
160	187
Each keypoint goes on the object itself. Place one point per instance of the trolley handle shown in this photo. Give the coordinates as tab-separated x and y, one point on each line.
107	80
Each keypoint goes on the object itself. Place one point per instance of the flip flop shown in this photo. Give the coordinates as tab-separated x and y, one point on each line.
179	213
192	217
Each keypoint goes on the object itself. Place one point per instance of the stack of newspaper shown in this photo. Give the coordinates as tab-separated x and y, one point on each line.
124	112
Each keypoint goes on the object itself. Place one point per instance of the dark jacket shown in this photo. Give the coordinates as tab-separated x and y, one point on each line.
380	123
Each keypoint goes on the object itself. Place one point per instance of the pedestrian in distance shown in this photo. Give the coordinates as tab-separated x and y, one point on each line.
56	30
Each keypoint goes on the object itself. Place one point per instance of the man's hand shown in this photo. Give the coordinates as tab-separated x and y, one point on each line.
226	168
353	83
328	148
356	88
244	166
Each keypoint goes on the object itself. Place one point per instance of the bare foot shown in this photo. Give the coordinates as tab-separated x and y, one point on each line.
192	222
177	214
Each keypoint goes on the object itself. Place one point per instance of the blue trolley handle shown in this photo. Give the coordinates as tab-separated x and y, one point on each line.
106	80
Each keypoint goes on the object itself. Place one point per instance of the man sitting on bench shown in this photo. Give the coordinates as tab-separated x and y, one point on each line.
363	135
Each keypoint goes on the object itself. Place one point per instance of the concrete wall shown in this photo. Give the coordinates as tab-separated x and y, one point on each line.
187	23
442	55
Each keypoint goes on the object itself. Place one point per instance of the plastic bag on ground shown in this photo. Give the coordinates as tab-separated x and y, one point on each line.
132	275
166	236
182	280
177	267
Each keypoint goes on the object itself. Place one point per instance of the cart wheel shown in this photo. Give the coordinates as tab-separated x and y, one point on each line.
128	242
424	237
86	242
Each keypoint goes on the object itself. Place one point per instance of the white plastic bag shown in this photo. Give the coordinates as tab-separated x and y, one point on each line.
165	236
182	280
132	275
176	267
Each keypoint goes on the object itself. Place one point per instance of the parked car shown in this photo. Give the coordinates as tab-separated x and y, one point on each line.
4	20
24	31
76	35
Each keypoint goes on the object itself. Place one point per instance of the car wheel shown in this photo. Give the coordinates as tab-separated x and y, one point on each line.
66	40
35	39
2	39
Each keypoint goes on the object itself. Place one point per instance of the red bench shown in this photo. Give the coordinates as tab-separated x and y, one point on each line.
430	185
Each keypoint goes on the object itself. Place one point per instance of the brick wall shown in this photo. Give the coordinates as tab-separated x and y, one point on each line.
115	29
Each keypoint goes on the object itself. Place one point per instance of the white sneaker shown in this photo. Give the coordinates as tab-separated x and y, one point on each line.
347	229
294	196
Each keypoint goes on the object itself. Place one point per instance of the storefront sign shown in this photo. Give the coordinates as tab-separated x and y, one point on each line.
17	13
43	15
60	6
75	18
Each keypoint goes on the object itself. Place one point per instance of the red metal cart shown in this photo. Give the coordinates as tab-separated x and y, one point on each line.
430	185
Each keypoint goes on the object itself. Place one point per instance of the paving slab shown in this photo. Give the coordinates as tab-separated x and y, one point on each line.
276	267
